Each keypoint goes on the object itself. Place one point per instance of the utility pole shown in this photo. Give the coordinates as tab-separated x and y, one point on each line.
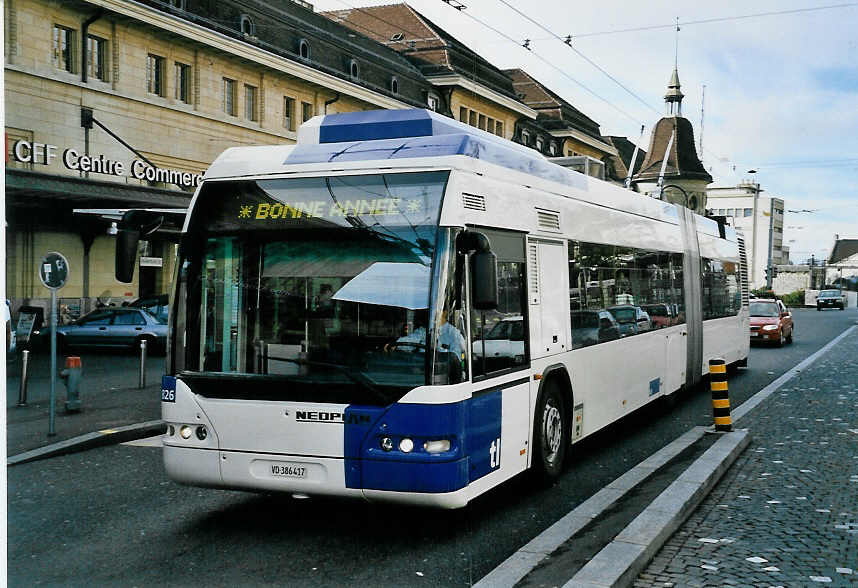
771	236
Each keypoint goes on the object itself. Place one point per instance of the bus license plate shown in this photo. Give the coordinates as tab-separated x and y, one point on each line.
288	470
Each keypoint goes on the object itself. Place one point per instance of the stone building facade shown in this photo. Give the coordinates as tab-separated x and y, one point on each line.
114	104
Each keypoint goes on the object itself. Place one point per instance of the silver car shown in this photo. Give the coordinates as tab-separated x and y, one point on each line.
114	327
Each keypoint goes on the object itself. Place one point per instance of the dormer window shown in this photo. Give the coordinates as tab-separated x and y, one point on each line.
397	37
394	85
354	69
539	144
304	49
247	26
433	101
525	138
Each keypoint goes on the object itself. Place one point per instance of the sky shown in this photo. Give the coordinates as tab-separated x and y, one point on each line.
780	77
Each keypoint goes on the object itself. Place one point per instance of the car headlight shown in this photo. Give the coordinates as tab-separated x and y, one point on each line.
770	328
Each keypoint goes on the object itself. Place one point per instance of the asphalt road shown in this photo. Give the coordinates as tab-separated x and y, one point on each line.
110	516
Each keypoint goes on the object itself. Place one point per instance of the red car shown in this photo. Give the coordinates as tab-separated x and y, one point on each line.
771	322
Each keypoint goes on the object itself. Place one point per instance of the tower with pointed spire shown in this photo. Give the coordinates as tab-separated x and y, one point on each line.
672	158
674	96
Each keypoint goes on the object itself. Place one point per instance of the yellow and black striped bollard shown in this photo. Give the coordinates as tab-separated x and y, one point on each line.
720	396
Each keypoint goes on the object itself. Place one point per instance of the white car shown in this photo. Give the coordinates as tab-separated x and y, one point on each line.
505	340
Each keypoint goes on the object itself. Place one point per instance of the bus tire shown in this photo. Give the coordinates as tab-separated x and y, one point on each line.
551	433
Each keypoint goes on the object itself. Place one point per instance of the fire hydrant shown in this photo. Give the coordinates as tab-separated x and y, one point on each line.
71	378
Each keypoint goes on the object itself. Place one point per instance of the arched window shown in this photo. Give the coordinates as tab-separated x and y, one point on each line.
247	26
354	69
304	49
394	85
397	37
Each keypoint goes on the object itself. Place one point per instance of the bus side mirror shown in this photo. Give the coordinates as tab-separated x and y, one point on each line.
484	272
135	224
126	254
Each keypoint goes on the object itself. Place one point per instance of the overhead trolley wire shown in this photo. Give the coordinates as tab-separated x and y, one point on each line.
551	65
580	54
708	21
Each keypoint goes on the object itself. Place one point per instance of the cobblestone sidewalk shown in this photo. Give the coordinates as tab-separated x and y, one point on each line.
786	514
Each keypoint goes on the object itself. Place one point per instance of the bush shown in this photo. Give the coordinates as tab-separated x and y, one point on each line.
794	298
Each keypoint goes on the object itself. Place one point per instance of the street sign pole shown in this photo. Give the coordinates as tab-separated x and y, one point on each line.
53	272
52	413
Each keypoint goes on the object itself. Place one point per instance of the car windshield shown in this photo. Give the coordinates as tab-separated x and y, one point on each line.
623	315
829	294
656	310
767	309
315	281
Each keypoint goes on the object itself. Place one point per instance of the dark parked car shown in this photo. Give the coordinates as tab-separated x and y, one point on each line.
590	327
830	299
632	319
114	327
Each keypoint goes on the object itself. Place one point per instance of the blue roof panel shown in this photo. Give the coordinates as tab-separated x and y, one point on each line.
398	134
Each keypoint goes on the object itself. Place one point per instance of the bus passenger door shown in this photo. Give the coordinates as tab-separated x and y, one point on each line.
548	291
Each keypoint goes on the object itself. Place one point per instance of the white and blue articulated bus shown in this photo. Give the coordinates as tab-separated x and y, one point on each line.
404	308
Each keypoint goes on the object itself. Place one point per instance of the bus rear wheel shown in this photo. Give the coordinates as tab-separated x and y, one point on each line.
551	434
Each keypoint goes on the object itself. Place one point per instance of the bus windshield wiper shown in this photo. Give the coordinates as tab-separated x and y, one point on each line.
355	376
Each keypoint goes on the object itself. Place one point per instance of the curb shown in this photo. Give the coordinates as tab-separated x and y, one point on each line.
522	562
91	440
620	562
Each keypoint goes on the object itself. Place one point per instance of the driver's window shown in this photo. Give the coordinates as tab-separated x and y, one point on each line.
497	336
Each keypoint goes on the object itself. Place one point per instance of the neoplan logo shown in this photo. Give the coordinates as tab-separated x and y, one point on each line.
338	418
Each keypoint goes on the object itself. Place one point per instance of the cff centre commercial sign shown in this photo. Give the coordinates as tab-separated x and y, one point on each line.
43	153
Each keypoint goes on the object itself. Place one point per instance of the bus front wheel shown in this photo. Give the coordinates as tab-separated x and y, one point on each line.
552	434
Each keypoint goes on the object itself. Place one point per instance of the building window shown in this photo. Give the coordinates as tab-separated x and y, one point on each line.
552	149
155	74
525	138
482	122
229	97
64	48
304	49
490	124
499	128
354	69
539	144
434	102
463	114
288	113
394	85
731	212
306	111
180	4
748	212
247	26
250	103
472	118
96	55
183	82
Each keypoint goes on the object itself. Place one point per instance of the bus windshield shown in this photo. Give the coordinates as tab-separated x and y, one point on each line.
318	286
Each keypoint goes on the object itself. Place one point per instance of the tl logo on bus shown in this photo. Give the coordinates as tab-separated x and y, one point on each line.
494	453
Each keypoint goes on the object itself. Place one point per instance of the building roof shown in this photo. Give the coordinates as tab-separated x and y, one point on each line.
279	26
434	51
625	150
843	248
554	113
682	160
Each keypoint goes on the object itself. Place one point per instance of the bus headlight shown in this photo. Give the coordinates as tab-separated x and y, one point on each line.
202	433
406	445
185	432
386	443
438	446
